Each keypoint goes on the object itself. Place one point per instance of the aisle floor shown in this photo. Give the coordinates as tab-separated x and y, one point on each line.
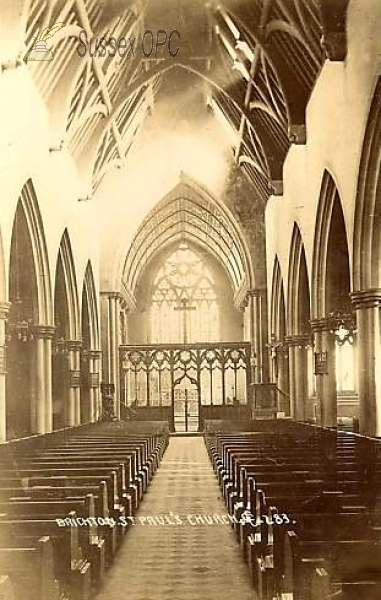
187	561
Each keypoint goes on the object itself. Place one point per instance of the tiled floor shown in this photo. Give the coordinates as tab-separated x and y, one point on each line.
187	561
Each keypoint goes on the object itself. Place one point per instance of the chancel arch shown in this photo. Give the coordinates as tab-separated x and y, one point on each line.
366	296
278	347
299	330
67	341
189	212
88	374
29	329
333	321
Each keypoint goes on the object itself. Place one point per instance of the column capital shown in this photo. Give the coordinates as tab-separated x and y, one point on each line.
73	344
93	354
112	295
255	292
301	340
320	324
74	378
92	381
366	298
4	310
45	332
3	360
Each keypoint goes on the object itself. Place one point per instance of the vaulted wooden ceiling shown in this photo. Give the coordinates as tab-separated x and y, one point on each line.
258	59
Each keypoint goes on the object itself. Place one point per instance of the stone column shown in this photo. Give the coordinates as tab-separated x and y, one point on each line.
4	311
110	340
42	402
93	383
73	409
326	395
368	312
257	335
283	380
123	324
300	409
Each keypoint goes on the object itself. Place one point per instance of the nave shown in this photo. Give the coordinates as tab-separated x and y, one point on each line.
194	560
103	511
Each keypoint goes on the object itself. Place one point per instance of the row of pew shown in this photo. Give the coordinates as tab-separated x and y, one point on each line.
66	502
306	508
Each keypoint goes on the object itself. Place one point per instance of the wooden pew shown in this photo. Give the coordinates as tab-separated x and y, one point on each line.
42	478
29	564
103	502
323	589
132	474
6	588
71	568
349	488
345	559
132	483
92	543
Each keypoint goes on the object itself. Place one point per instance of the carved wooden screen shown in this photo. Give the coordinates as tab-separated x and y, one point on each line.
150	375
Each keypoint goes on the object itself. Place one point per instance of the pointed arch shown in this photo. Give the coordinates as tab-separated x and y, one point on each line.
367	223
330	292
29	396
28	205
90	305
298	298
279	354
189	212
65	261
278	306
299	330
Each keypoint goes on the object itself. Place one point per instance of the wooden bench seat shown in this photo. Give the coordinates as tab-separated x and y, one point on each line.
350	559
323	589
29	564
91	540
72	568
101	472
272	471
119	463
97	474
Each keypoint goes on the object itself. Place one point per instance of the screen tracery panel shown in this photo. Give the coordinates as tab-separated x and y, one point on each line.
150	375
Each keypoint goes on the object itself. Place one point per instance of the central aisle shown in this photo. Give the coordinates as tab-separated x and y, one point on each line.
185	561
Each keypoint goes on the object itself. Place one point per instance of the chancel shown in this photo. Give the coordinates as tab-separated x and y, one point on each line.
190	299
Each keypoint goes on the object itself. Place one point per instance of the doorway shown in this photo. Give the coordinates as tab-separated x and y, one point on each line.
185	409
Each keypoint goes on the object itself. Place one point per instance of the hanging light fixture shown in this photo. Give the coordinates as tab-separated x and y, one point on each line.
342	326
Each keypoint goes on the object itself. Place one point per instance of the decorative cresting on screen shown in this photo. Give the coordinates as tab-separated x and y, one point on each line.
187	215
152	375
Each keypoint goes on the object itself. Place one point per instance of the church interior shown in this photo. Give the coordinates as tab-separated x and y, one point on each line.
190	299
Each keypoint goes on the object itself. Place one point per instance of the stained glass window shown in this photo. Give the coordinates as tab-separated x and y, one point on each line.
184	307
